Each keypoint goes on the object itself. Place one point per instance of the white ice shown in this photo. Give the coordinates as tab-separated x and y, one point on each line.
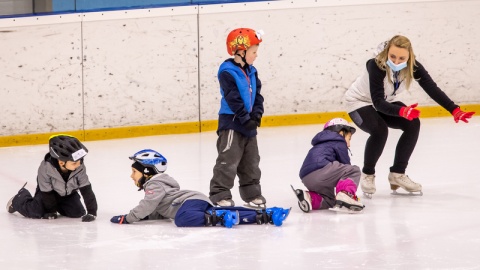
440	230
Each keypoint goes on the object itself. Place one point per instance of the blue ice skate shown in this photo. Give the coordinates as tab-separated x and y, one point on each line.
277	215
226	218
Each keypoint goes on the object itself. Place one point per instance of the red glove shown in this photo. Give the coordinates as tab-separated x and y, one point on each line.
409	112
461	115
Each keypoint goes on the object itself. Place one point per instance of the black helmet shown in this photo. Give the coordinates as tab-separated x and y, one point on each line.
66	148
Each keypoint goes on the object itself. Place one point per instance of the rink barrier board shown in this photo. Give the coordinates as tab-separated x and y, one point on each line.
202	126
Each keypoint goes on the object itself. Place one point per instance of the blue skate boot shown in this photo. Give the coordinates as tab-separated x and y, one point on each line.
226	218
273	215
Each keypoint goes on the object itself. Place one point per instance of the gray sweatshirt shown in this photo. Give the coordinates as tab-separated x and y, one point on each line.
163	198
51	181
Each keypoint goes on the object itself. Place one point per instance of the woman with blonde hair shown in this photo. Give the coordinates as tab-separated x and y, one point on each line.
373	105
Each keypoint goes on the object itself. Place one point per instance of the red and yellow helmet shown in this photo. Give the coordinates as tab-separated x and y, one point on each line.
242	39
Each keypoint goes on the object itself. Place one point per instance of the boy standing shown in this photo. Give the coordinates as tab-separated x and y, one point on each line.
327	173
165	200
60	175
240	114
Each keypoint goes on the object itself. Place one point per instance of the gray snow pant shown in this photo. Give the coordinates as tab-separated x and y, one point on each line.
324	180
237	155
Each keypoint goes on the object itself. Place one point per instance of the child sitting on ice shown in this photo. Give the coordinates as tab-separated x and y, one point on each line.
327	173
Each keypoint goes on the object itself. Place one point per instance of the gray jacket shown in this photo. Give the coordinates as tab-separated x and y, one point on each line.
163	198
50	179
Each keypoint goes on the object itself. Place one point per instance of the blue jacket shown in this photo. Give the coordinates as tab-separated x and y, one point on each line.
238	104
328	146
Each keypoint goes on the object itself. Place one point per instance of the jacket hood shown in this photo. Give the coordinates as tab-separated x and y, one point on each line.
325	136
166	180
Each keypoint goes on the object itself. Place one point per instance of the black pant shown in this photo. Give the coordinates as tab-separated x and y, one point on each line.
376	124
32	207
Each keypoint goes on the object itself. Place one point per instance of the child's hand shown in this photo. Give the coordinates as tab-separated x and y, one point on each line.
50	216
88	218
251	125
119	219
257	118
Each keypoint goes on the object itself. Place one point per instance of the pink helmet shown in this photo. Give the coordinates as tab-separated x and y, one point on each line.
337	124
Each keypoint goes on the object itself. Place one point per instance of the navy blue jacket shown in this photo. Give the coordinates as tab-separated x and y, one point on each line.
231	95
328	146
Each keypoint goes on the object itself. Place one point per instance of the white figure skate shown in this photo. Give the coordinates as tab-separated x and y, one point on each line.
347	203
398	180
367	183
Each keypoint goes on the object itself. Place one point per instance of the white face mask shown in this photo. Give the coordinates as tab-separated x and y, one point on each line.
396	67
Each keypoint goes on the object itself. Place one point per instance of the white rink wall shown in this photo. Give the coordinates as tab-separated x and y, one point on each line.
152	66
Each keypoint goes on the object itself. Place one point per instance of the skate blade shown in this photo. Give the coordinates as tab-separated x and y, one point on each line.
410	193
294	191
301	201
345	210
255	206
368	195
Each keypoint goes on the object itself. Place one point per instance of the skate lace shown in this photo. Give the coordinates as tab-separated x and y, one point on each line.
404	178
369	178
353	196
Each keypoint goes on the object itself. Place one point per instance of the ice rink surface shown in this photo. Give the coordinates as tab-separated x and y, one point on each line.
440	230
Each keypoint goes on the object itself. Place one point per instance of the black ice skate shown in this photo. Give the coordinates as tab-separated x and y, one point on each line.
10	208
304	199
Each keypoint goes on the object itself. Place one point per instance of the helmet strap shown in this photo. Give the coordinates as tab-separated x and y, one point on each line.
244	60
63	167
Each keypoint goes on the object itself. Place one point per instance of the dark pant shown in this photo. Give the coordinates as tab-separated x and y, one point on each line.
237	155
192	213
324	181
376	124
32	207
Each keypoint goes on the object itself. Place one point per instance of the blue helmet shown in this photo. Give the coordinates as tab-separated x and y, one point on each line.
151	159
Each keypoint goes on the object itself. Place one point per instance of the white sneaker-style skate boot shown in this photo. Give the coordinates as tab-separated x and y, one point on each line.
346	202
10	208
225	203
402	180
367	183
257	203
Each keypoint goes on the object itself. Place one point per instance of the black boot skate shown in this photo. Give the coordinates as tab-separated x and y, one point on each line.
10	208
304	199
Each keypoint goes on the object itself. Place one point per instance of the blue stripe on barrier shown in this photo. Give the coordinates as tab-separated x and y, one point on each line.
78	6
